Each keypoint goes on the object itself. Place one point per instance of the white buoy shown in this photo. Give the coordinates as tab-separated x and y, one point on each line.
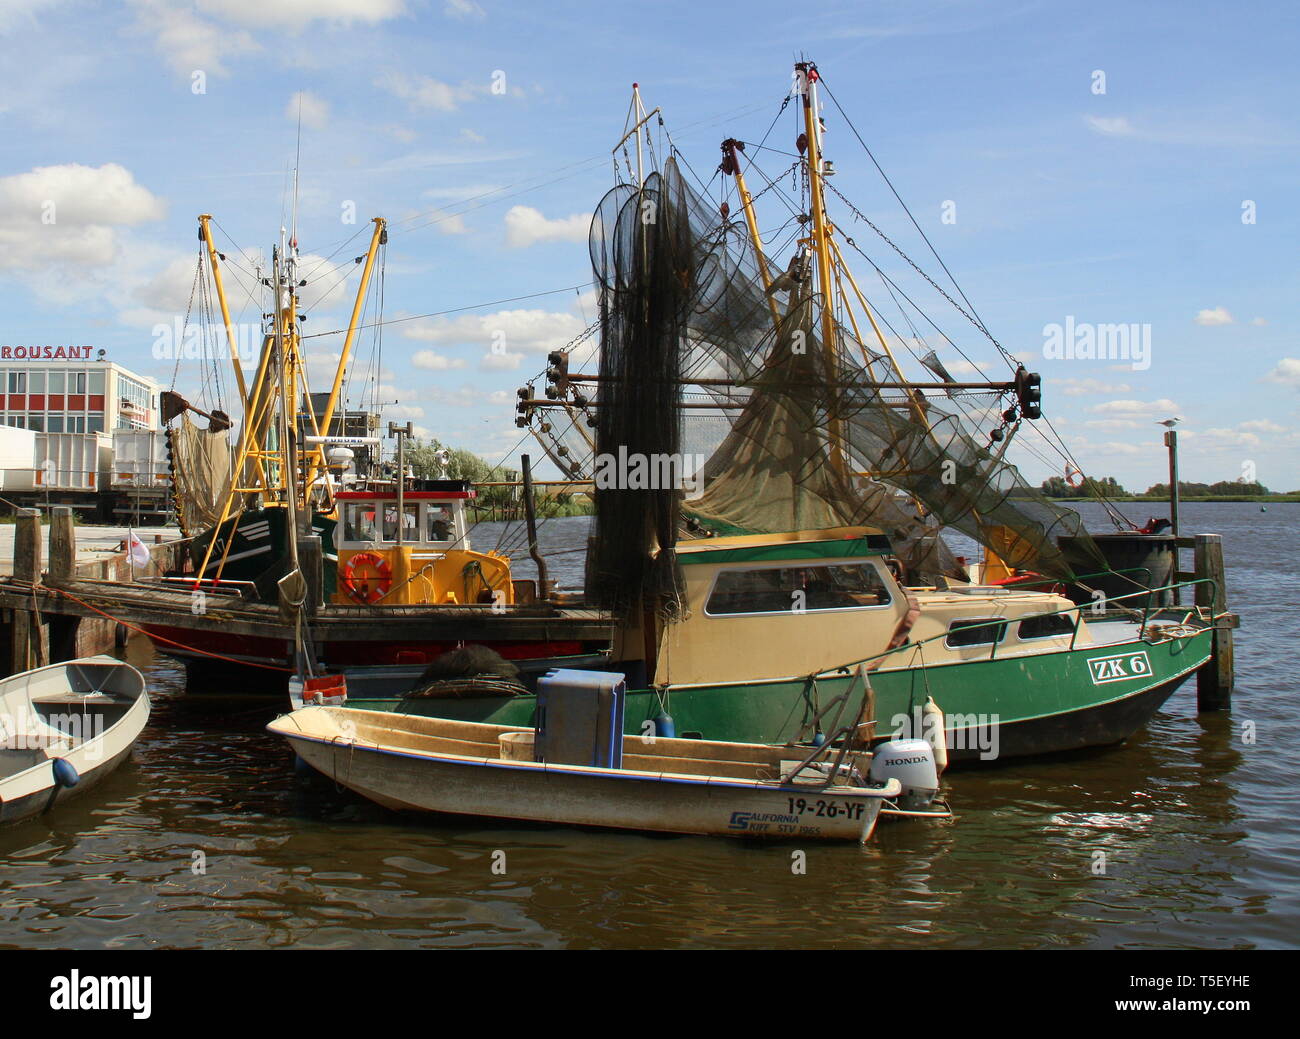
932	727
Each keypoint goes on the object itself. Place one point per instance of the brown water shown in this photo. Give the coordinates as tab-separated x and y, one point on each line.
1201	833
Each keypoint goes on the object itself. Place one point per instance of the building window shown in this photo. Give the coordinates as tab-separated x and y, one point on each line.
97	382
17	382
95	424
36	422
36	382
55	423
58	380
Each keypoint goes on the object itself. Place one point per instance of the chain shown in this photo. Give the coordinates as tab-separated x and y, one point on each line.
858	215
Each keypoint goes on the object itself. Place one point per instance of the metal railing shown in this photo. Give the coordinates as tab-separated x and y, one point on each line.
1075	609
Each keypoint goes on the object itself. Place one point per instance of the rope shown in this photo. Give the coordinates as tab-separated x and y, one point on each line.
157	638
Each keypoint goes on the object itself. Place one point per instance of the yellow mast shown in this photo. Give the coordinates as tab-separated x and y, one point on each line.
731	149
378	237
205	232
806	79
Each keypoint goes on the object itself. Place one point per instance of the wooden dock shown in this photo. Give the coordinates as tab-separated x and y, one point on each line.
54	613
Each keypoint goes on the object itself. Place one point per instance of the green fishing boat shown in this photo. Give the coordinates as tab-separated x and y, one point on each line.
752	575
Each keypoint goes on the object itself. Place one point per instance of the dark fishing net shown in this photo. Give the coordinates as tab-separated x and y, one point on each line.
796	436
644	260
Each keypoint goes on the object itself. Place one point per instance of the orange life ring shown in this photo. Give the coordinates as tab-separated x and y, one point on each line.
367	588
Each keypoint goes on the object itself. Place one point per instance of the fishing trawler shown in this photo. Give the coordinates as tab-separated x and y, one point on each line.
814	544
285	515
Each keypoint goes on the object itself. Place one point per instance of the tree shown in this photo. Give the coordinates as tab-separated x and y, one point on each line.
1059	487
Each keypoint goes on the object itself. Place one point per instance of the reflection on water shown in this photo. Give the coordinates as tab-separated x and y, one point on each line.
209	838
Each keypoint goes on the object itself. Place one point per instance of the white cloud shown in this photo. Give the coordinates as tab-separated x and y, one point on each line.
526	226
1261	425
292	14
1083	387
967	367
1110	424
1116	126
472	136
1212	317
187	42
314	109
1259	322
1287	372
511	331
401	411
1163	408
505	362
431	360
1209	441
55	220
424	91
463	10
14	12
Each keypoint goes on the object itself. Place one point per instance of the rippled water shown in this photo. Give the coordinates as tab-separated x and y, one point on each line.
1201	833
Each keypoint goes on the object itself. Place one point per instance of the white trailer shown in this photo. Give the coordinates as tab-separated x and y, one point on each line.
139	486
17	459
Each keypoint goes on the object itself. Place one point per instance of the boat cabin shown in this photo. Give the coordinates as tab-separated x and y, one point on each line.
414	550
774	606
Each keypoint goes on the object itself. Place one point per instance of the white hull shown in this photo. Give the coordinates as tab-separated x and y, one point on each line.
87	712
393	762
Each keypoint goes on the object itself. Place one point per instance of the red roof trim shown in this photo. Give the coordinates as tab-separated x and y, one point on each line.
408	495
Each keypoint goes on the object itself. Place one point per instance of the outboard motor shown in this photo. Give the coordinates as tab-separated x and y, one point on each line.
911	762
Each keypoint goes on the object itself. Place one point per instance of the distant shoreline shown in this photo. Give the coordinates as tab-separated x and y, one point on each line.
1262	498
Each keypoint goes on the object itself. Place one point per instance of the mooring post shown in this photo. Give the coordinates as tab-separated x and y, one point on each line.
1214	681
530	519
63	545
311	563
27	568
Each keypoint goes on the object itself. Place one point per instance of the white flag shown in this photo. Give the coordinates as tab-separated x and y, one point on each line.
138	551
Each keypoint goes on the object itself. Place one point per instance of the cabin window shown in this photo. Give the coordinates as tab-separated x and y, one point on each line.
798	589
359	522
1045	626
410	525
981	631
440	524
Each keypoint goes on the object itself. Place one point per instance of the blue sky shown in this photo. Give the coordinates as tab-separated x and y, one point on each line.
1122	207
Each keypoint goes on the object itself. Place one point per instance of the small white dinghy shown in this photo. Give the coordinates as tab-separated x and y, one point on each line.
63	728
668	785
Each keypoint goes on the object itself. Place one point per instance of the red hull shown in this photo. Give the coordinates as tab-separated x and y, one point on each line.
201	645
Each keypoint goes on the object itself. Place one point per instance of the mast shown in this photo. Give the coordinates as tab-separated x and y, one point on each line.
377	238
731	163
205	233
806	85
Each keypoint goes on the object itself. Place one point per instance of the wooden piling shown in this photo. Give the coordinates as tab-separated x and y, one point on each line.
26	649
530	518
312	564
1215	679
63	545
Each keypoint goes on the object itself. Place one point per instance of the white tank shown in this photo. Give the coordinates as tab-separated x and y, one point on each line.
911	762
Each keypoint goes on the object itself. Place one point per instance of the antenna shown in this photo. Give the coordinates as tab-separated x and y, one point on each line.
297	160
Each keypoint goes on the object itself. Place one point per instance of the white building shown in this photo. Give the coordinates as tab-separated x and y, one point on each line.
59	389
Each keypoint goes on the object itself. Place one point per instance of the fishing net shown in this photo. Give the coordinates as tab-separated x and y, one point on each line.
789	410
200	464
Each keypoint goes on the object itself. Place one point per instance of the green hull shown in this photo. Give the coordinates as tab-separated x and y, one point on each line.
994	709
